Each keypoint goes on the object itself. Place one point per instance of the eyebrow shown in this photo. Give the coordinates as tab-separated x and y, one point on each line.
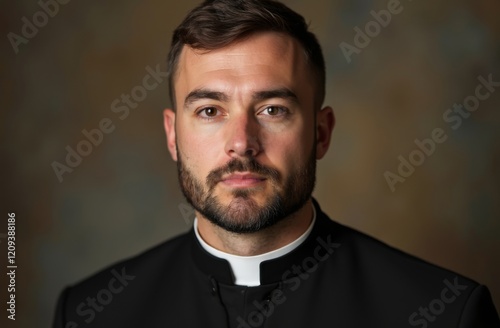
283	93
199	94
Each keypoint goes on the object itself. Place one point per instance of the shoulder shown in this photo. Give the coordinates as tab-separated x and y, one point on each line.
386	262
126	285
370	251
157	263
409	284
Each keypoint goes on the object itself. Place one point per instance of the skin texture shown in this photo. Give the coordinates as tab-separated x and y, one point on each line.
226	114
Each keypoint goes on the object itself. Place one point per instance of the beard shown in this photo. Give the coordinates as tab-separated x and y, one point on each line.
243	214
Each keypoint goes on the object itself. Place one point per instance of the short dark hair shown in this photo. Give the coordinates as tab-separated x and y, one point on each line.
215	24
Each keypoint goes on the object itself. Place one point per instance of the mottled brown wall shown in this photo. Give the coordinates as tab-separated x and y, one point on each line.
124	197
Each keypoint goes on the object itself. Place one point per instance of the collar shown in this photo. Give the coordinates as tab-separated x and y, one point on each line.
246	269
271	270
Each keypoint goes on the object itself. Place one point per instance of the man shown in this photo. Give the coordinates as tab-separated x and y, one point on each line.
247	83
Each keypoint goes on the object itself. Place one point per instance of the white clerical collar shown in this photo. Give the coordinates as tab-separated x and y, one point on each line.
246	269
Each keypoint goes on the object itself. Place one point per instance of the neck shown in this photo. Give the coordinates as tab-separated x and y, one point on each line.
260	242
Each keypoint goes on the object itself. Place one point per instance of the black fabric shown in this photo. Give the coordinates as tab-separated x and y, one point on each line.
337	278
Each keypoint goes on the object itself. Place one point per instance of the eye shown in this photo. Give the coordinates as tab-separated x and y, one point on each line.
275	111
208	112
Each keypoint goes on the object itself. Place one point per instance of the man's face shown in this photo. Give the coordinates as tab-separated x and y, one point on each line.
244	133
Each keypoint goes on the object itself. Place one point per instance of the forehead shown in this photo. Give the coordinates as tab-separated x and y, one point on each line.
260	61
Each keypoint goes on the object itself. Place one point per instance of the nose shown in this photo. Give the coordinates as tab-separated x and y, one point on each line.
242	136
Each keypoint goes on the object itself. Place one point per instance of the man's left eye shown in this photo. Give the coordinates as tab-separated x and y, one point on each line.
274	110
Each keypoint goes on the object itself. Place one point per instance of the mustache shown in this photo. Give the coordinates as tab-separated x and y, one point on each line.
237	165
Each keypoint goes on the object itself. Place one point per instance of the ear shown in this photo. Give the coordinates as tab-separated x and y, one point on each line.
169	123
325	121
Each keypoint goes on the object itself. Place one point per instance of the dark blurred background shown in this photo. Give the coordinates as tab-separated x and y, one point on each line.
123	197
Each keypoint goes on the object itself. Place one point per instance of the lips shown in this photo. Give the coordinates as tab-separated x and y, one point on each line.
242	179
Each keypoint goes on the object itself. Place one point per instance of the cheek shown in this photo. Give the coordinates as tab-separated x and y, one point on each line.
198	152
289	150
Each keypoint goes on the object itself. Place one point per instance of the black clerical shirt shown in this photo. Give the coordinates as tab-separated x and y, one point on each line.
337	277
